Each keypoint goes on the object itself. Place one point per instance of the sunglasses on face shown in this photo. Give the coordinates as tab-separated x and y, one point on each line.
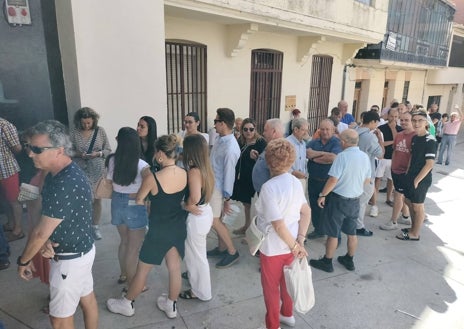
218	120
251	129
38	149
188	122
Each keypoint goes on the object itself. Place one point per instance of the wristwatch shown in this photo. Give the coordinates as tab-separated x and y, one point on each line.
18	261
322	195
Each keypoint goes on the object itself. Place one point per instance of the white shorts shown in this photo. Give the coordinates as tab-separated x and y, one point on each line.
384	169
69	281
216	203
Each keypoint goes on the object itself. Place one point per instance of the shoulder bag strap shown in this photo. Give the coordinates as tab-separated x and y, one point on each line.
92	142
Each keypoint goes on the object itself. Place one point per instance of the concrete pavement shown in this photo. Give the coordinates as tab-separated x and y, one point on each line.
396	284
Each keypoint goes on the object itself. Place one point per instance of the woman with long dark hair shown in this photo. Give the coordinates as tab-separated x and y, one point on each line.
146	129
200	188
127	170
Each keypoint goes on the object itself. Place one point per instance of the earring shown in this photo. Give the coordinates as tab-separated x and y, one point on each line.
160	160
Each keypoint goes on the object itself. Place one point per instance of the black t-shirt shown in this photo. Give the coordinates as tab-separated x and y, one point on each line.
68	196
422	149
387	137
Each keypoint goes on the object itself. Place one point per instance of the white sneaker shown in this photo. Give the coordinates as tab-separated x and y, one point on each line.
96	232
287	320
389	226
374	211
167	306
120	306
404	221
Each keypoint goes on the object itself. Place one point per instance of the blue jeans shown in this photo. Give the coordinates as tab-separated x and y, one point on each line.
4	247
447	144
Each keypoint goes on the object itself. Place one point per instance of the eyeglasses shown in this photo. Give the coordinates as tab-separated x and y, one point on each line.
218	120
38	149
251	129
189	122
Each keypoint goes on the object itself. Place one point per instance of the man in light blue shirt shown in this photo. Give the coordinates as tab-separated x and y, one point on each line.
224	156
339	199
299	132
273	129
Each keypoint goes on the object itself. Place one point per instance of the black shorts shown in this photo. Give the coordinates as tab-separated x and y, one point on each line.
417	195
399	182
339	213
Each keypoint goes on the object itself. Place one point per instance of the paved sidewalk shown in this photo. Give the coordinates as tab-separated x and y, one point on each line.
396	284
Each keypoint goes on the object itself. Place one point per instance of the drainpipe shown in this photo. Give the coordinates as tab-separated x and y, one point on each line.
344	78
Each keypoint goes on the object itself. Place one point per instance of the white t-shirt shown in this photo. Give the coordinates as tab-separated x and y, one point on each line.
132	188
281	195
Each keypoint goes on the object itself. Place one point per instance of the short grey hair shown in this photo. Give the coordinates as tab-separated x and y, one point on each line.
299	122
57	134
277	125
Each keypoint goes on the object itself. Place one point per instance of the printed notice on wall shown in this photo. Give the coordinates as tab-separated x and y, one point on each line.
290	102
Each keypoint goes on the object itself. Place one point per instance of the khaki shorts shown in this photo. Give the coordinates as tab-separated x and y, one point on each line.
69	281
217	203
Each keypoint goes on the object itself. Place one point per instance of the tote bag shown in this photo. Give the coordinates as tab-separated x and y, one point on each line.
299	281
104	187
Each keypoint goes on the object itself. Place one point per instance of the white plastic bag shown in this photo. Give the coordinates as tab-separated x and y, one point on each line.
299	281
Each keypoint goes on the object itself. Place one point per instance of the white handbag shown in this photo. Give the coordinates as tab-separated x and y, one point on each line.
299	281
254	237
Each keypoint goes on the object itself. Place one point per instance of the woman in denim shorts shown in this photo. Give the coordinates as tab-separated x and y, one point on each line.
126	170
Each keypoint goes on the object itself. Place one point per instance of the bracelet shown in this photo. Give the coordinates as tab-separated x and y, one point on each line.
301	236
295	246
226	199
18	261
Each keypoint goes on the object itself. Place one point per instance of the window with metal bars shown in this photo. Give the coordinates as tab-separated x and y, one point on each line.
266	85
185	83
319	91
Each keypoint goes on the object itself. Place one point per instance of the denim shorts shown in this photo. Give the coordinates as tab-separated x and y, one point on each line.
124	211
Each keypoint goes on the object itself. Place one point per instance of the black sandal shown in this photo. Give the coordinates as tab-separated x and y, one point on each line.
187	294
185	275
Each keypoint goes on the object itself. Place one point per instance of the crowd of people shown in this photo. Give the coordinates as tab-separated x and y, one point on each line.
169	191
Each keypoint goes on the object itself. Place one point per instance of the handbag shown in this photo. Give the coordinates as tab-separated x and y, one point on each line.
254	236
299	281
104	187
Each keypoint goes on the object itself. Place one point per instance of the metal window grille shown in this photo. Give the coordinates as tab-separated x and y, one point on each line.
266	85
319	91
186	83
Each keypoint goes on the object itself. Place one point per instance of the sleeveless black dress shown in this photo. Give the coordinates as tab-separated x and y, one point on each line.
167	226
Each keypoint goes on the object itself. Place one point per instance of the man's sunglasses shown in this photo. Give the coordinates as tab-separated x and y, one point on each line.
38	149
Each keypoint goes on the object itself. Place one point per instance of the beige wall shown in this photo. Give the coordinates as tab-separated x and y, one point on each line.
117	57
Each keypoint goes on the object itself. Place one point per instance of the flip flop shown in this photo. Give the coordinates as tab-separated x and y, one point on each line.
13	237
405	237
187	294
405	230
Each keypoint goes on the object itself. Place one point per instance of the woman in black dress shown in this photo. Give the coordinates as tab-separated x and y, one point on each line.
243	187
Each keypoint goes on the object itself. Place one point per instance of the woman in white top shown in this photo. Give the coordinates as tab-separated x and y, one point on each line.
126	170
282	211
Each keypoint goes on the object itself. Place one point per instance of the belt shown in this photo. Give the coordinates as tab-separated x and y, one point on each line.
450	134
342	197
58	257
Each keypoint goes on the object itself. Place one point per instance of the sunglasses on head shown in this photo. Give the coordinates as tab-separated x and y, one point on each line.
251	129
38	149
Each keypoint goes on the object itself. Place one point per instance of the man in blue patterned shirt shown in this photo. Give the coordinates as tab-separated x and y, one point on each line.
66	223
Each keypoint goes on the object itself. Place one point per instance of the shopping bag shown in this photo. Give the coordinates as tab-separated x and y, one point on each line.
28	192
299	281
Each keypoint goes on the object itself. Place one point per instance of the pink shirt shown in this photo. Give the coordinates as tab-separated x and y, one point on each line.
452	128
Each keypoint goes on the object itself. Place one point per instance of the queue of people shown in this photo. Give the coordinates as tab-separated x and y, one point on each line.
164	206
